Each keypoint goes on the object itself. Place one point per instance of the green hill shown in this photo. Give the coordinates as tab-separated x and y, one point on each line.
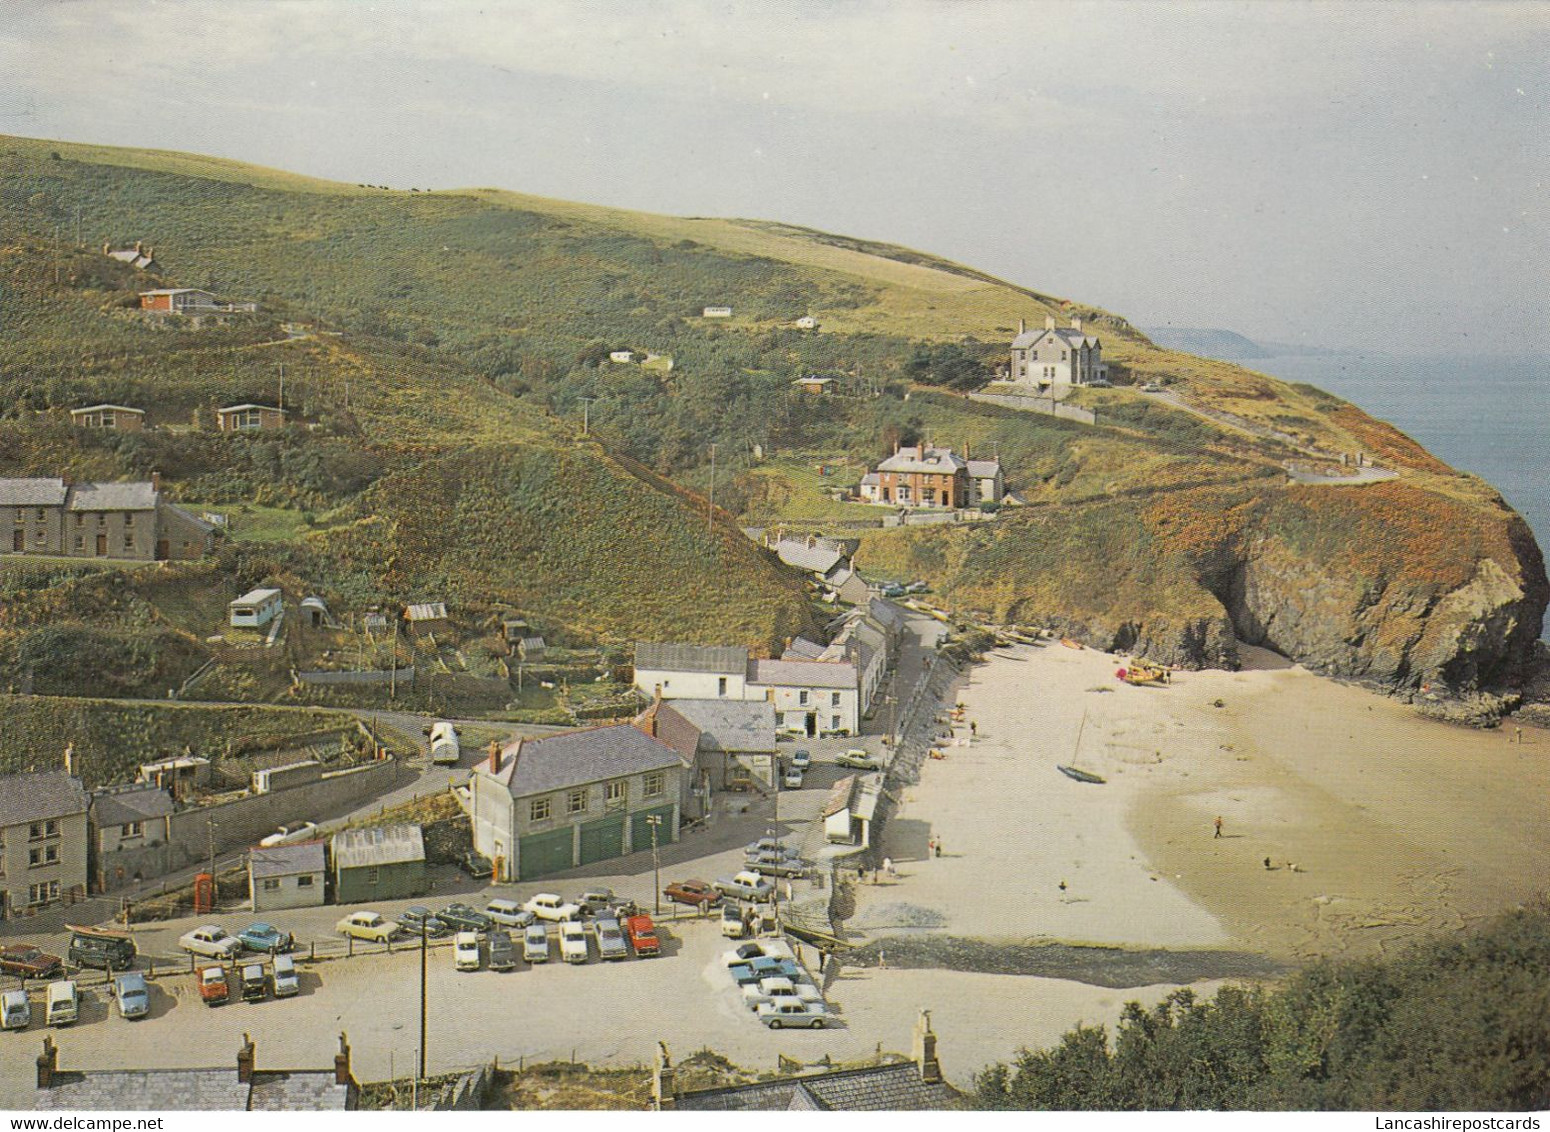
448	341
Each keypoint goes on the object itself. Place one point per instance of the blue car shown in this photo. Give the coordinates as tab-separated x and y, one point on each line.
265	938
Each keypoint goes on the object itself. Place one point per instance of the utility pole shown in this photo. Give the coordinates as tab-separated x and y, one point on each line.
210	831
654	820
393	670
282	389
710	512
586	413
424	948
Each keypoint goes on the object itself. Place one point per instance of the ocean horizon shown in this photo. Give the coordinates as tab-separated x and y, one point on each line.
1487	415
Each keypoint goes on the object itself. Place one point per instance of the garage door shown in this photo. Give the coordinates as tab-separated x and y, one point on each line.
640	831
545	853
602	839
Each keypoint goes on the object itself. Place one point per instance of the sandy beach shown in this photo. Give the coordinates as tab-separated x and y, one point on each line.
1379	825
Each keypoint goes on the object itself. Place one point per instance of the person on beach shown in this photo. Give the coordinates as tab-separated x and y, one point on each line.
1267	864
888	866
1218	827
974	729
1062	886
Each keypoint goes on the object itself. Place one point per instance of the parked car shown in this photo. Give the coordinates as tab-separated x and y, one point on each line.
643	935
792	779
763	967
503	954
210	941
101	948
596	900
283	972
28	961
368	926
732	925
783	1014
417	917
508	913
746	885
132	994
63	1003
573	941
891	589
266	938
776	865
857	759
610	939
697	893
462	918
774	988
802	759
766	846
1151	387
465	951
213	987
550	906
15	1010
476	865
255	983
758	949
918	588
535	944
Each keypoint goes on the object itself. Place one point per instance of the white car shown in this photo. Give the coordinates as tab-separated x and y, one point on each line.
573	941
768	990
550	906
508	913
210	941
290	835
756	949
15	1010
779	1015
535	944
465	951
64	1003
793	779
285	980
367	925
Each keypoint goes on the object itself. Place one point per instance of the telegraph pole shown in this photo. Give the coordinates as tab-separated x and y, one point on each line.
586	414
424	948
654	820
710	512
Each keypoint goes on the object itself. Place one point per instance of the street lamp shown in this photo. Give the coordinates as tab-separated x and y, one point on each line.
655	820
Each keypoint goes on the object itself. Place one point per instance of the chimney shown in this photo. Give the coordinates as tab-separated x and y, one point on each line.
70	759
1049	322
812	541
245	1056
924	1050
342	1063
48	1064
664	1081
139	247
107	249
1022	326
67	478
1076	324
156	482
150	253
495	757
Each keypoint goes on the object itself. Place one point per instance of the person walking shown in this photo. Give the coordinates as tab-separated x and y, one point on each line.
1218	827
938	846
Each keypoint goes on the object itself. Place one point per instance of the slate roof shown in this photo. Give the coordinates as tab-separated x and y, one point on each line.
730	660
188	516
194	1090
383	845
871	479
39	796
1071	336
287	860
984	469
839	796
120	807
802	649
880	1088
802	673
818	559
32	493
556	762
887	613
113	497
923	459
731	725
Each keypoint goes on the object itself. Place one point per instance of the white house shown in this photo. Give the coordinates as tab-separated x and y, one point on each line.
851	808
986	484
286	876
692	672
717	312
811	697
255	609
1057	356
623	357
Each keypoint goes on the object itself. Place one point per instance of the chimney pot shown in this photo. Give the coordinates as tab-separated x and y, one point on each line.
495	757
48	1064
156	481
925	1050
245	1059
342	1063
1022	326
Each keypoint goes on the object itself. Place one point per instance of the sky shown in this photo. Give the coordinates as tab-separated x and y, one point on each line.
1352	175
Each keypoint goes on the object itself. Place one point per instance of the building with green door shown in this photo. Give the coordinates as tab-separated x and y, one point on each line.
541	806
384	863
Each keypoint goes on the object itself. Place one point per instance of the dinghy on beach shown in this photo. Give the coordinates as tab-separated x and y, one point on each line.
1081	775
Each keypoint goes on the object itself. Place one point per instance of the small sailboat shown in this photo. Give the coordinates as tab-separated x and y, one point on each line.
1081	775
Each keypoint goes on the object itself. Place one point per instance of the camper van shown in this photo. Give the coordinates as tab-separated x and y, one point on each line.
445	749
102	948
64	1003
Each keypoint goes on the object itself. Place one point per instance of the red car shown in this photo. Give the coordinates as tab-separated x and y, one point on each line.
24	959
694	892
643	935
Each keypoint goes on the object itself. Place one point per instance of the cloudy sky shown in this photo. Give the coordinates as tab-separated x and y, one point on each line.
1341	174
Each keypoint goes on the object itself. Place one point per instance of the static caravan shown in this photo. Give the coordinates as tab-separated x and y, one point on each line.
255	609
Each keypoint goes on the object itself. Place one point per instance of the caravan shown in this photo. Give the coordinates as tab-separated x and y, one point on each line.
445	749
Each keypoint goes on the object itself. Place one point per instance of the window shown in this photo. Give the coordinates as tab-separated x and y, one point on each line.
615	791
802	697
35	830
721	686
305	880
79	518
129	520
43	893
538	810
42	514
577	802
21	515
51	828
271	884
835	725
43	855
373	874
38	536
132	829
129	540
834	699
654	783
102	520
80	542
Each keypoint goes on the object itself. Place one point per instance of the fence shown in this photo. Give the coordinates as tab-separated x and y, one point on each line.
1046	405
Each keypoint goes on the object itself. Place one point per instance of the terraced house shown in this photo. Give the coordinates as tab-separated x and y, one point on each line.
99	520
541	806
42	841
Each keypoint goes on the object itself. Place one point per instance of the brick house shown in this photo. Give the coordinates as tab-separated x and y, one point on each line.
120	418
249	418
178	300
920	476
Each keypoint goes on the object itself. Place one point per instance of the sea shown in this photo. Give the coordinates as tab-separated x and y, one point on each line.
1481	414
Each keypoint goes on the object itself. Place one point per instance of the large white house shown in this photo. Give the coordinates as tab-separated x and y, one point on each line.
1057	356
692	672
814	697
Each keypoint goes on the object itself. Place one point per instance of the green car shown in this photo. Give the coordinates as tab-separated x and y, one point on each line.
462	918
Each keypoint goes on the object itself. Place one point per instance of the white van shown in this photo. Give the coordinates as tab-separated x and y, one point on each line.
445	748
64	1003
285	981
15	1010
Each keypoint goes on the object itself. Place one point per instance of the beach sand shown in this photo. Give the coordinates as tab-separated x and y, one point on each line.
1397	826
